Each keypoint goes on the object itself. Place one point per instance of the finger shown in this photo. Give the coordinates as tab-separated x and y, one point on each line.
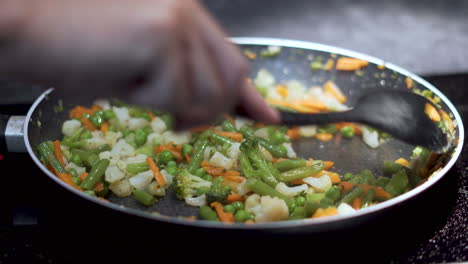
255	106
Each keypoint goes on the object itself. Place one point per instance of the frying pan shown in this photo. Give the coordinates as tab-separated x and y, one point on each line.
44	119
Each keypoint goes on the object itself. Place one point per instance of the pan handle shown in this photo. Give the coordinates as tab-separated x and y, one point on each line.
12	133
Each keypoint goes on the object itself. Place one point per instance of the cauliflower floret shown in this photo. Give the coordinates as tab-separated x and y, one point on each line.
240	122
242	188
111	137
137	159
113	174
121	188
370	137
154	189
207	153
345	208
141	180
266	208
319	184
110	156
168	177
95	141
296	90
308	131
291	153
196	201
158	125
79	170
176	138
69	127
219	160
136	123
123	149
122	115
262	132
290	191
266	153
153	139
103	103
234	150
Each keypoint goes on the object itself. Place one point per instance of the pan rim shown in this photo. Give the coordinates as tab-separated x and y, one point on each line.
287	43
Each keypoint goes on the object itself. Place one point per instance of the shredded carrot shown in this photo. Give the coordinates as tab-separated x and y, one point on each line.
225	217
402	162
409	82
282	90
87	124
58	152
379	191
187	158
333	89
156	173
328	164
357	203
234	178
104	127
230	119
329	65
324	136
325	212
234	197
200	129
355	127
294	133
432	112
99	187
83	176
232	135
350	64
152	115
206	164
67	178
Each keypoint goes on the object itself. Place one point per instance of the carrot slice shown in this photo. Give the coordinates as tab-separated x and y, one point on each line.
402	162
58	152
293	133
156	173
432	112
328	164
206	164
357	203
324	136
67	178
83	176
333	89
225	217
99	187
234	197
350	64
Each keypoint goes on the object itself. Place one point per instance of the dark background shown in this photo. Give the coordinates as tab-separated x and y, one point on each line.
429	38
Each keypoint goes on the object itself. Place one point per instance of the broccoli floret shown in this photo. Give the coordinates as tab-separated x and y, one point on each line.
188	185
218	191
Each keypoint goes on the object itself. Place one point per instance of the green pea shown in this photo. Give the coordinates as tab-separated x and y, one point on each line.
241	216
229	208
207	177
86	135
96	120
76	159
145	116
238	205
171	163
347	131
348	176
166	156
99	113
140	137
108	114
277	137
172	170
330	128
300	201
199	172
187	149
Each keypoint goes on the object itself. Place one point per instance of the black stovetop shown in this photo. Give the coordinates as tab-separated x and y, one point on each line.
37	218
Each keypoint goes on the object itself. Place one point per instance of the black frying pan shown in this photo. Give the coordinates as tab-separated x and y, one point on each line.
44	123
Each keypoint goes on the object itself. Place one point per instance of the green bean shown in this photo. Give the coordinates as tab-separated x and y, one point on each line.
277	138
326	202
347	132
146	150
390	167
206	213
348	176
301	173
72	140
349	197
47	154
330	128
246	167
95	175
73	172
398	183
108	114
144	197
290	164
88	157
368	197
86	135
262	188
300	201
228	126
135	168
102	148
197	157
278	151
311	207
334	193
221	139
382	181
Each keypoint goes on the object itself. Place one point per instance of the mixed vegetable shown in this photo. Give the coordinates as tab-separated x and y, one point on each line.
235	170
